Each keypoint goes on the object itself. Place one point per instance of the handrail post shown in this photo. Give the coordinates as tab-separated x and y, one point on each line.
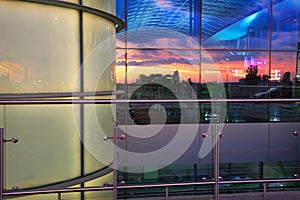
265	190
167	193
58	196
115	158
115	164
1	163
216	159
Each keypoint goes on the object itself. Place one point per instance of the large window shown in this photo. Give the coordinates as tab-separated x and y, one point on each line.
249	49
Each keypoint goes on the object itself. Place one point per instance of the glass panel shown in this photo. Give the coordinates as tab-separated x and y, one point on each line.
121	67
99	121
286	25
48	150
99	54
283	155
151	155
161	74
244	76
105	180
156	37
120	13
46	59
242	161
285	84
106	5
154	17
236	25
283	73
163	67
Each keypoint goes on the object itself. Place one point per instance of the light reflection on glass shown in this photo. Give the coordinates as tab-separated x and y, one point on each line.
46	58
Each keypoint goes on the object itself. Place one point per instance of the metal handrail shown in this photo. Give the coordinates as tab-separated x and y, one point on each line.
122	101
57	95
86	189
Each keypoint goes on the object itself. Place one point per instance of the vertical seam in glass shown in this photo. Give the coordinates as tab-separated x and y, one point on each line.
200	40
126	65
270	67
81	71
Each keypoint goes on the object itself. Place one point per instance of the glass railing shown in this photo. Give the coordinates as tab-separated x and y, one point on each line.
260	157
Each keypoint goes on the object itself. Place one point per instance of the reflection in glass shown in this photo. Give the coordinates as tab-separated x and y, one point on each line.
244	26
176	15
145	66
46	58
283	70
286	25
159	74
156	37
244	76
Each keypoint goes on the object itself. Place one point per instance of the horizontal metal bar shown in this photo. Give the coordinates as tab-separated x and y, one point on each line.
166	185
122	101
60	94
66	190
69	190
259	181
206	49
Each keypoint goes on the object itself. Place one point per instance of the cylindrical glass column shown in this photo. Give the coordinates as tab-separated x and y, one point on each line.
55	50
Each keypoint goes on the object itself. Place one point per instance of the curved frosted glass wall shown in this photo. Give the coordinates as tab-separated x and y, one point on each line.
51	51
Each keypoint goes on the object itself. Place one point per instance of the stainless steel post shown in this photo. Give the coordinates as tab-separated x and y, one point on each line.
167	194
1	162
216	159
265	190
115	164
58	196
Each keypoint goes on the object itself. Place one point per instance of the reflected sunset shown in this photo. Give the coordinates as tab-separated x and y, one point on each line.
222	70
